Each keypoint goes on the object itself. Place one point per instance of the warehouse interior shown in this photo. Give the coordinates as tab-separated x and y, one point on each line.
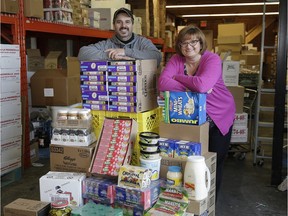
255	172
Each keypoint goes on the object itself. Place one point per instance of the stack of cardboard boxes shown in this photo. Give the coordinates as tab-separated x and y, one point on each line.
10	106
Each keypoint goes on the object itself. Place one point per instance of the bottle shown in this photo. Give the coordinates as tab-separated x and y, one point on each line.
195	178
174	176
60	208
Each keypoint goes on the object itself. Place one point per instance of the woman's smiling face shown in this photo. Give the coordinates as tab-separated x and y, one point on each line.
190	46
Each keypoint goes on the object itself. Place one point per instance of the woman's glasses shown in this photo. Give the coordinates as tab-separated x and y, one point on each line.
191	43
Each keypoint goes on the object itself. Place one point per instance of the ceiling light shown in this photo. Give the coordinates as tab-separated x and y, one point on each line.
234	14
221	5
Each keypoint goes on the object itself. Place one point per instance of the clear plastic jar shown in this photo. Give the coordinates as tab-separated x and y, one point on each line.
174	176
60	208
62	114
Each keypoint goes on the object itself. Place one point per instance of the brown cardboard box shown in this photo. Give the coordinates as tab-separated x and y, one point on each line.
26	207
35	60
238	94
250	59
229	47
231	29
70	158
233	39
56	87
9	6
195	133
196	207
33	8
51	60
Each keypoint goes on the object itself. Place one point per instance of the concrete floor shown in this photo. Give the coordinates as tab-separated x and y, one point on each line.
246	189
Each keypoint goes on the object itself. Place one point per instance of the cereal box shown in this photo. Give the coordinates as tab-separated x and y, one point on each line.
185	108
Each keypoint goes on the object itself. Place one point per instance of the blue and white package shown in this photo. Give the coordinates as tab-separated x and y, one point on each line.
185	108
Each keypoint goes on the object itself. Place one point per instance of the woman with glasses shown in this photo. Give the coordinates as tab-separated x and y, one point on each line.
194	68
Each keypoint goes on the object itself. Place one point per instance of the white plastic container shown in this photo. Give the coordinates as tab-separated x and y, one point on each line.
195	178
154	165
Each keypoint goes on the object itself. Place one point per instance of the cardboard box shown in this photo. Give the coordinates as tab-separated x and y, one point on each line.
10	165
106	17
250	59
238	94
233	39
194	133
56	87
196	207
229	47
62	185
10	104
35	60
51	60
9	50
27	207
231	71
9	6
11	149
9	62
34	152
239	134
70	158
231	29
33	8
241	119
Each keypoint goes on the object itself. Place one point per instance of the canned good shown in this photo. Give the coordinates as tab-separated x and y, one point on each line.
60	208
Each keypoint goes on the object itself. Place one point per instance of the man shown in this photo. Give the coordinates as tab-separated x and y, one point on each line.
124	45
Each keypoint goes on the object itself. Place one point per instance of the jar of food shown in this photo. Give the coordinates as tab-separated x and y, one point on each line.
72	114
84	114
62	114
174	176
60	208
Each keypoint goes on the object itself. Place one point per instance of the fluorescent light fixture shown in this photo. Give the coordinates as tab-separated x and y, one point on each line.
222	5
234	14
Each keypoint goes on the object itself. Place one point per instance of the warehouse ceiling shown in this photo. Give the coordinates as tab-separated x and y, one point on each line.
178	12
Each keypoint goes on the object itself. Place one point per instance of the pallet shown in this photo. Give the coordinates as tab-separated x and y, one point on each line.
10	177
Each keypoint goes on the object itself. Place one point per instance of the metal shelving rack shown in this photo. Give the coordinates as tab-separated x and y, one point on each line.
20	26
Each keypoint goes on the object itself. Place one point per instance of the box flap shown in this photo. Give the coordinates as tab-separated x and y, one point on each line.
73	66
53	54
49	73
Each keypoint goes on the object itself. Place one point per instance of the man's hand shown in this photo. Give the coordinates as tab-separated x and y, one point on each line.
116	54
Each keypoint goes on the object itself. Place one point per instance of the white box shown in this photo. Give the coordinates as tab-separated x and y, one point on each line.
9	50
106	17
10	165
10	104
10	132
9	62
239	134
241	120
10	120
62	185
11	149
10	86
231	73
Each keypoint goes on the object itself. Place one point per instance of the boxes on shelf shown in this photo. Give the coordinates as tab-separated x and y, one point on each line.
106	17
231	29
62	185
27	207
33	8
56	87
35	60
62	15
241	119
70	158
8	6
233	39
252	59
239	134
51	60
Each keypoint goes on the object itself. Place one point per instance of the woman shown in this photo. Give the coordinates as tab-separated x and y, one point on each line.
195	69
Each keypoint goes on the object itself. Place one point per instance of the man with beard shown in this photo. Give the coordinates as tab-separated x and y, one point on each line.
124	45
